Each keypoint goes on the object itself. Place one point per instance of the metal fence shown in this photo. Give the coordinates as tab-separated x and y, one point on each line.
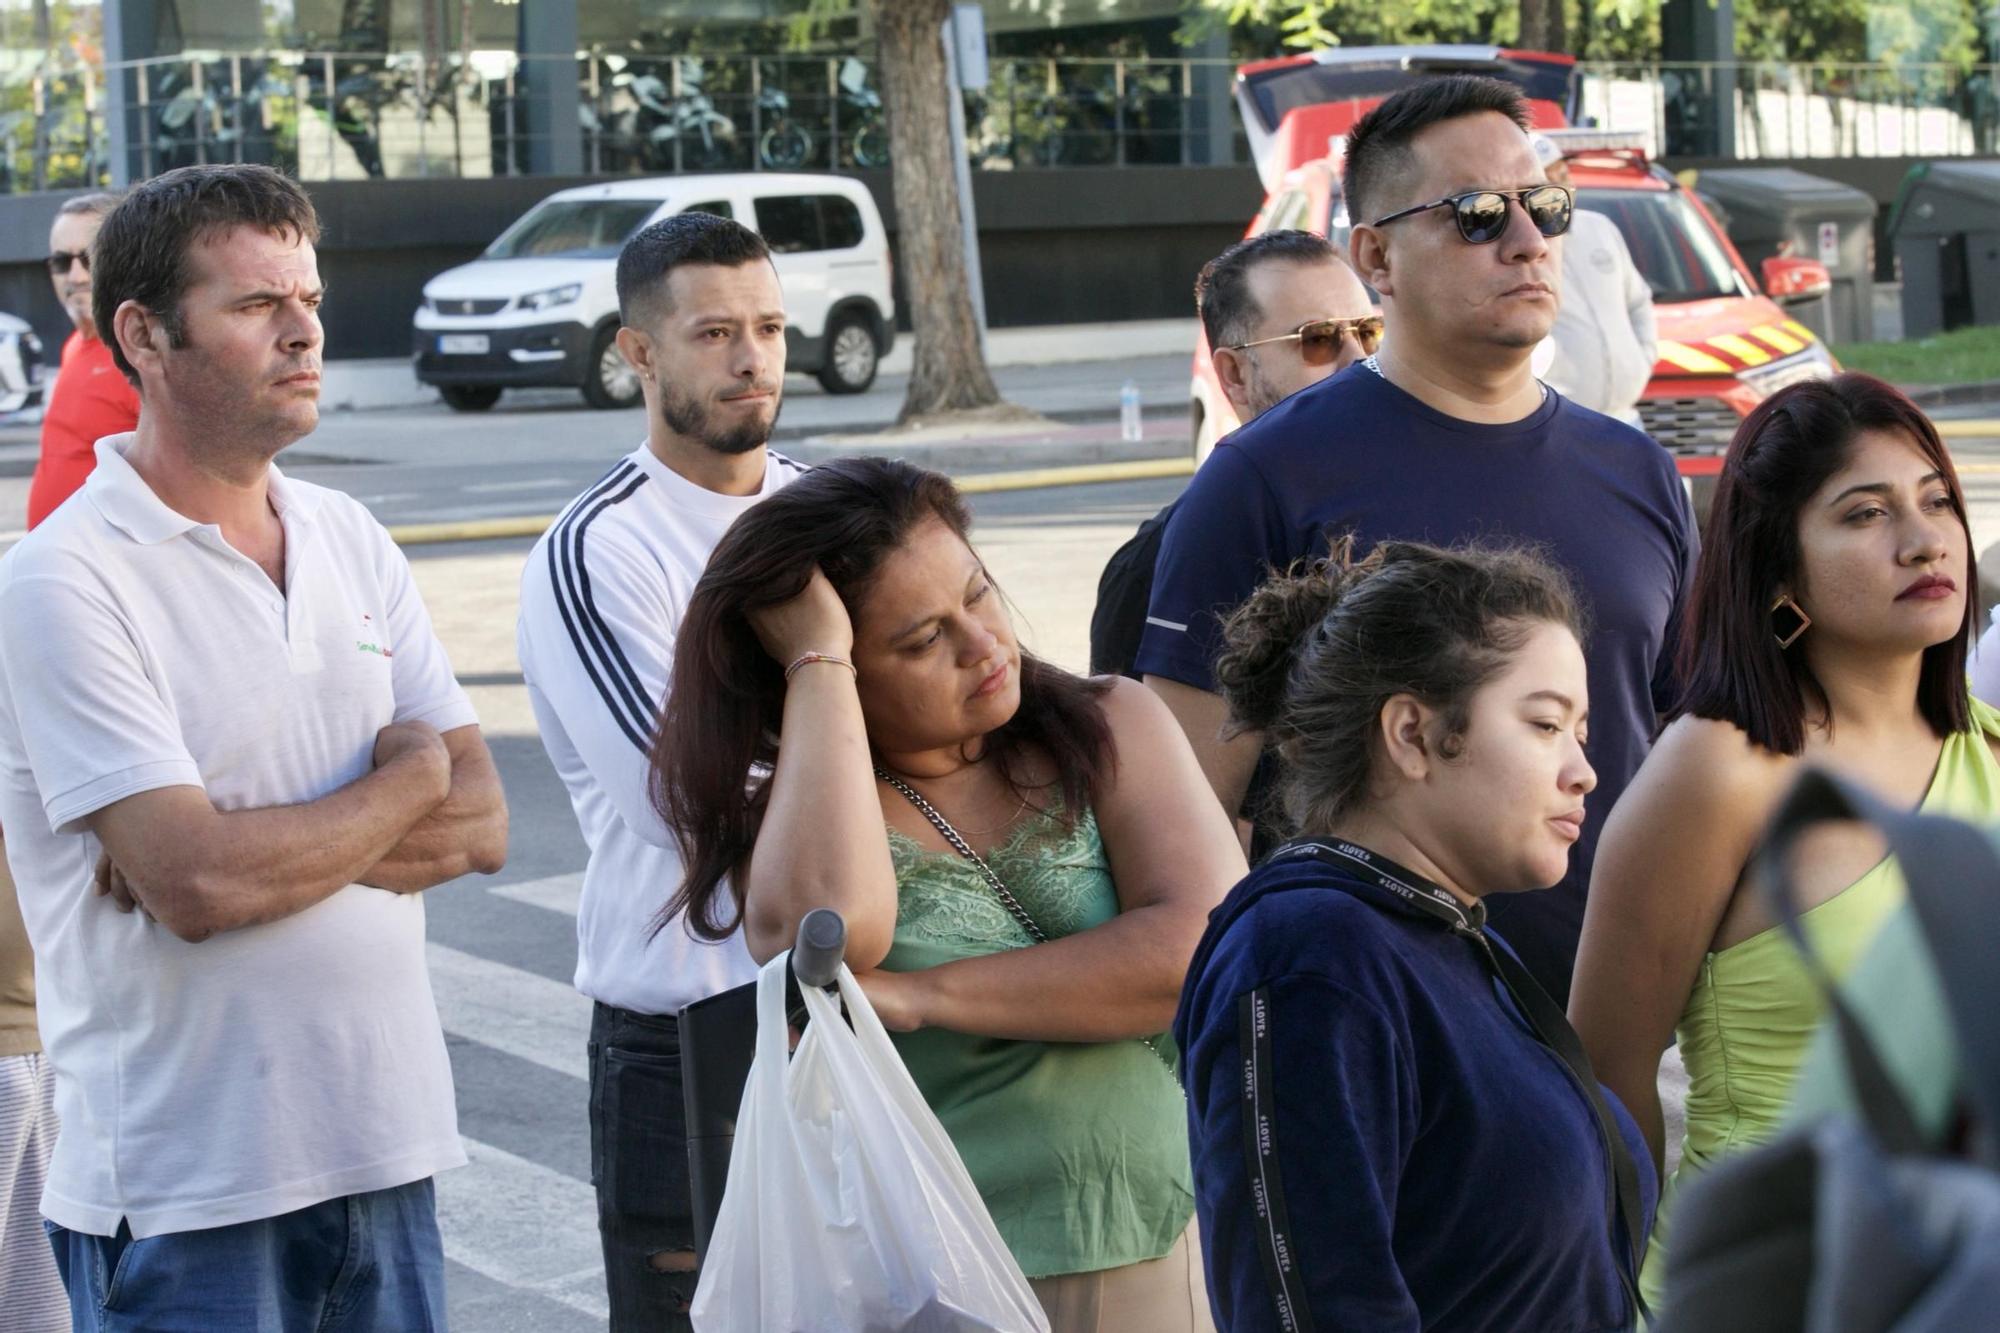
329	115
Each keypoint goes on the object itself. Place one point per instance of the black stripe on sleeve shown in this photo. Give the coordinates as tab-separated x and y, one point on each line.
622	674
1260	1160
588	634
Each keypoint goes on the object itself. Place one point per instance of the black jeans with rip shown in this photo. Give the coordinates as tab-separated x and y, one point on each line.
639	1166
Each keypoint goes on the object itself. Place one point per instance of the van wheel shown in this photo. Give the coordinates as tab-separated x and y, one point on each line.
469	397
851	359
609	381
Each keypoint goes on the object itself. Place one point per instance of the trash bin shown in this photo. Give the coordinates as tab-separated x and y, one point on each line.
1775	210
1946	234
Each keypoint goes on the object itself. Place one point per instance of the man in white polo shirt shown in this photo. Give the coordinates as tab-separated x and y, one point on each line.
232	754
601	603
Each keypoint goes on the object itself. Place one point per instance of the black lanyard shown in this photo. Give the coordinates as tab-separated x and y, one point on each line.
1399	889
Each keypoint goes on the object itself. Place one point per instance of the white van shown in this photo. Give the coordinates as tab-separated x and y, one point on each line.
540	306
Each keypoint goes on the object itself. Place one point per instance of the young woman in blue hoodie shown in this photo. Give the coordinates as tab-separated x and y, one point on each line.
1392	1127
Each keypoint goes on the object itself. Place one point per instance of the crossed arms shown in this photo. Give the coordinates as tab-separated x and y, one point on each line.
430	810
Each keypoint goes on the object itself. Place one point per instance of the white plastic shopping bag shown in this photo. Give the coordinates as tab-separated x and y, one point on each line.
847	1210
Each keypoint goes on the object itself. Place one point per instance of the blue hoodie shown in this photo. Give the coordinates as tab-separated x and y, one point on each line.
1418	1158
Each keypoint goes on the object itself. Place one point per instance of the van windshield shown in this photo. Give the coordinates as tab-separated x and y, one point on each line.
588	228
1670	243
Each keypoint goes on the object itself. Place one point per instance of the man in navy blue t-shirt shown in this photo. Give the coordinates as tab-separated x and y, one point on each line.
1444	436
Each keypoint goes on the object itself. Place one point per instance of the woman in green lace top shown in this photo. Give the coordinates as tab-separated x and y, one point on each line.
1025	861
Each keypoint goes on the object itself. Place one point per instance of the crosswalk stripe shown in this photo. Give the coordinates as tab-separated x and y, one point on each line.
517	1012
557	893
524	1226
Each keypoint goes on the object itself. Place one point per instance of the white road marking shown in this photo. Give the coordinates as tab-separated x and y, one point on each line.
524	1015
524	1226
557	893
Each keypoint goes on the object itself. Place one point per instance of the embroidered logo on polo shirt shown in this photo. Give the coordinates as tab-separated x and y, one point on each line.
366	643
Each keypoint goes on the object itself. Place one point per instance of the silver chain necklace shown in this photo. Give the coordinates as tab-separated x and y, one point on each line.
1000	890
964	849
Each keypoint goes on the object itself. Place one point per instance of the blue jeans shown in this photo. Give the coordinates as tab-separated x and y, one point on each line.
358	1264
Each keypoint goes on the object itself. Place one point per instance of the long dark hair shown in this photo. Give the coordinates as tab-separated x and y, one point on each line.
1313	656
1731	666
719	733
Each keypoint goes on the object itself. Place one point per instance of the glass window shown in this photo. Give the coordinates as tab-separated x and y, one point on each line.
790	223
1671	245
594	228
719	207
841	221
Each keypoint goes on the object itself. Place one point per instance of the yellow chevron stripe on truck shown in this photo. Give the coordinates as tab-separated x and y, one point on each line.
1749	353
1779	338
1693	360
1798	330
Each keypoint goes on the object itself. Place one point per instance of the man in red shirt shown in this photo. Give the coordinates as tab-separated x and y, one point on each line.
91	398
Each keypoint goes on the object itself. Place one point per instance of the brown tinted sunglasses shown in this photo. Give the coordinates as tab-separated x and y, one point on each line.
1319	339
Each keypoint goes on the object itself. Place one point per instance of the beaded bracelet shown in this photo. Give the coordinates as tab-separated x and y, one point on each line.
807	659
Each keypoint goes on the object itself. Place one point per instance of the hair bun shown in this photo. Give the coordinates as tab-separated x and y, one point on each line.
1262	637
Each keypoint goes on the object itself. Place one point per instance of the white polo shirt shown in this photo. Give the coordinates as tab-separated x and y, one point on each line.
263	1069
601	604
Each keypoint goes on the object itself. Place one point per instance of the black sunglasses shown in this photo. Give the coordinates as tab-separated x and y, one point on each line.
1482	214
60	261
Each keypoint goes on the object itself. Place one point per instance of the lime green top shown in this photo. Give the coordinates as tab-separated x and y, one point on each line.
1079	1150
1898	998
1754	1008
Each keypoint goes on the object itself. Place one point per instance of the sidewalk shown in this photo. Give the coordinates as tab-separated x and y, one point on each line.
389	382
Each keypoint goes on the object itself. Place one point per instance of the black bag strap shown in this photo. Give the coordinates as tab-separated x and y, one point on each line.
1403	890
1953	873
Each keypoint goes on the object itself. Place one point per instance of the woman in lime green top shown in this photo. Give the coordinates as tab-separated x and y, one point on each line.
1827	625
1025	861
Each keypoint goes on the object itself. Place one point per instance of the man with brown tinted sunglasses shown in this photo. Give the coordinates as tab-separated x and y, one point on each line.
1281	311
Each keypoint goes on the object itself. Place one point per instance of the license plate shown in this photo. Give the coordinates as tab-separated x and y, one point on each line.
463	344
1807	368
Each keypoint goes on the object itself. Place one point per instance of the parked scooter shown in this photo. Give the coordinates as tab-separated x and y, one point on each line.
785	145
684	131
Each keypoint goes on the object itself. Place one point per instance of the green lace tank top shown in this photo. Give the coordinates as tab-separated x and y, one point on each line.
1754	1007
1079	1150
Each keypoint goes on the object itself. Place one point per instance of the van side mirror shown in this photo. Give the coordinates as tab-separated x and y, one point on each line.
1788	279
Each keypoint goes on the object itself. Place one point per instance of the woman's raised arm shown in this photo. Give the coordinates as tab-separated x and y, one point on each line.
821	843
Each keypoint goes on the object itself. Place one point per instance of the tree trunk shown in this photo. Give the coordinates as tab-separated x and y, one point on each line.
950	369
45	42
1542	25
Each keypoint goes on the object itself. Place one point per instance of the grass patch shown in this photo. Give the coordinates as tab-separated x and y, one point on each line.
1963	356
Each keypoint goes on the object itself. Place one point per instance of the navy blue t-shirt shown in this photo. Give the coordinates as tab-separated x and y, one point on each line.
1356	454
1421	1160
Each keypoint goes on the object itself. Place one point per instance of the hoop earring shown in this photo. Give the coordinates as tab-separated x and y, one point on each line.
1785	603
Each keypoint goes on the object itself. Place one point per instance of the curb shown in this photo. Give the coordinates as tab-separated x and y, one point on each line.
370	384
1953	395
1968	428
978	483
